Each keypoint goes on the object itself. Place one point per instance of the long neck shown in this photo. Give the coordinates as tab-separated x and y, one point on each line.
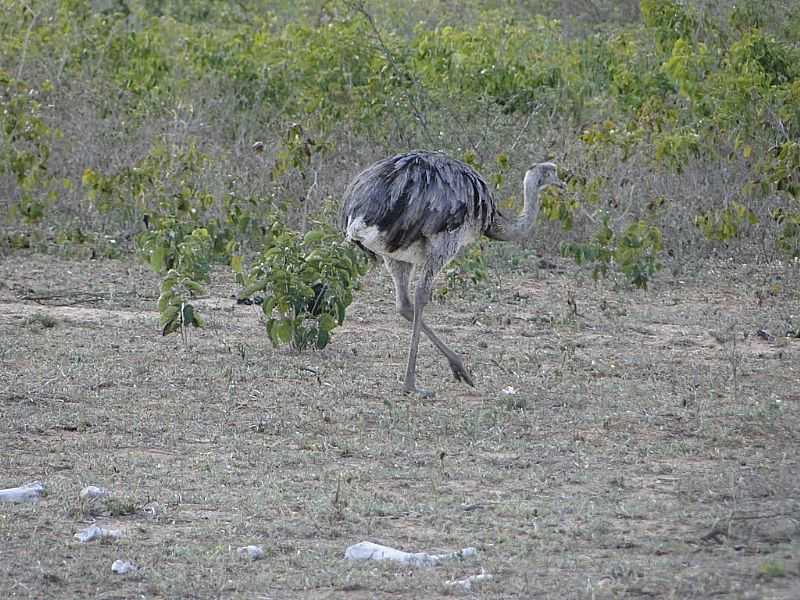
520	229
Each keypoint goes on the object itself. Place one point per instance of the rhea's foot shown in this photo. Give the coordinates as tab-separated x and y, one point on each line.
460	372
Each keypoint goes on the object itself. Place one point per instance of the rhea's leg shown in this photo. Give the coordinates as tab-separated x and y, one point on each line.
401	274
421	296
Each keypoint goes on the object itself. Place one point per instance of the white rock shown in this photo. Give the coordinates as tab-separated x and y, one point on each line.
466	584
509	390
93	491
30	492
251	552
371	551
152	508
95	533
121	567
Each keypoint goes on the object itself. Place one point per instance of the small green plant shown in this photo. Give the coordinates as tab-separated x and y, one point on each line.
677	148
307	281
559	207
470	269
183	281
120	506
634	252
162	184
637	252
42	320
781	173
789	237
726	223
771	570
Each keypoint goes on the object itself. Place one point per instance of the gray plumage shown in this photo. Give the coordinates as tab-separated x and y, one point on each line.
419	194
418	210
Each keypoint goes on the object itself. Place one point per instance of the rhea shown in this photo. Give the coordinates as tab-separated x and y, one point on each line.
417	211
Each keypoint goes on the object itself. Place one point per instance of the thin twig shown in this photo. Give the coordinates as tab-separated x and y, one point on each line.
24	52
360	7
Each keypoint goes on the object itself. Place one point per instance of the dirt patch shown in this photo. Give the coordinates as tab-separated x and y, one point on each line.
649	447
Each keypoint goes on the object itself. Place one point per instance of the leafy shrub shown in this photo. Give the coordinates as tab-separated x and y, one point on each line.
670	21
25	141
183	281
165	182
471	268
307	281
726	223
635	251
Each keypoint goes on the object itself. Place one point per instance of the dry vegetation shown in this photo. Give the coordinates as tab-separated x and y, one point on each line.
651	448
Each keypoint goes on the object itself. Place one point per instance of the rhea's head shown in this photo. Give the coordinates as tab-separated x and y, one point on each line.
543	174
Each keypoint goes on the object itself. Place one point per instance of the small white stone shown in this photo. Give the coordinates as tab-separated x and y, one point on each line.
152	508
95	533
121	567
251	552
467	583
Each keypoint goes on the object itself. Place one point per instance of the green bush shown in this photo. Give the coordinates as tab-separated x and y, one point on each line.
307	281
25	145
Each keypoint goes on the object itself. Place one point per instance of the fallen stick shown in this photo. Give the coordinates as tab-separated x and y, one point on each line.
371	551
30	492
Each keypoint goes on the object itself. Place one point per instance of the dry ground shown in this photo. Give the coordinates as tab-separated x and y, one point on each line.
651	448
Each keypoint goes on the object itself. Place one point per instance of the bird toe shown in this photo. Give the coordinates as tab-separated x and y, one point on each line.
420	392
461	374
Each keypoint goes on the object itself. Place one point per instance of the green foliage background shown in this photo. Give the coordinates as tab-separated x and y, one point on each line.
677	124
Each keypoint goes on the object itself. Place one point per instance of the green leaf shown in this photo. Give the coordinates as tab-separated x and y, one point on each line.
284	331
171	326
194	287
158	259
323	337
236	263
164	300
170	313
313	236
267	306
327	322
257	286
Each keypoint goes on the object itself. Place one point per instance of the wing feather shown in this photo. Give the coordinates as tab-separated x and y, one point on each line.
417	195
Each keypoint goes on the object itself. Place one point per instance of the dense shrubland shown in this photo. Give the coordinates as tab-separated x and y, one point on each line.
205	131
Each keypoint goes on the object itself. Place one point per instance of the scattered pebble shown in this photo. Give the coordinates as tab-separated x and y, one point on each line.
152	508
95	533
509	390
121	567
30	492
251	552
466	584
93	491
